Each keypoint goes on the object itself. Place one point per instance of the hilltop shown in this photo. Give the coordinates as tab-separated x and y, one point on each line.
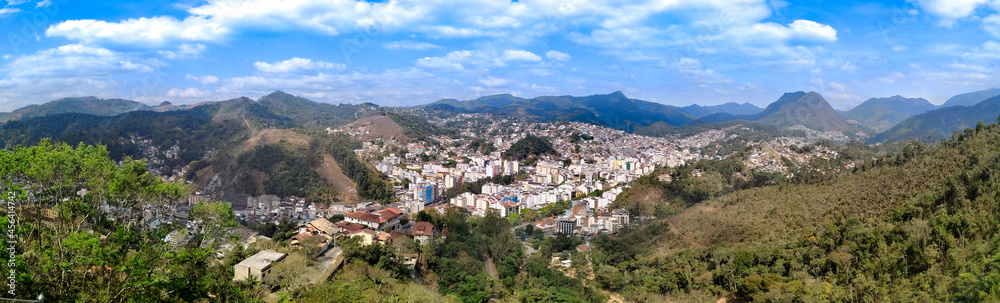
970	99
940	123
83	105
731	108
799	108
880	114
614	110
884	232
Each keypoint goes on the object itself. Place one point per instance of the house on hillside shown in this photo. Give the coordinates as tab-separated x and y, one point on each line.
385	219
257	266
423	232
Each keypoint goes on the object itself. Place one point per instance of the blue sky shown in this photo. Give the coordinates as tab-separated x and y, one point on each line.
400	53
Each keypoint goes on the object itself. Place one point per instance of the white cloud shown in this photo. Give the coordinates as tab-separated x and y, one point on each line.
297	64
409	45
558	56
75	70
189	93
438	63
800	30
492	82
950	10
204	80
480	59
15	2
990	50
519	55
394	87
8	11
152	32
44	3
73	59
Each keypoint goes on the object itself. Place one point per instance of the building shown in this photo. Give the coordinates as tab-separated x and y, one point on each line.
428	194
566	226
385	219
422	232
257	266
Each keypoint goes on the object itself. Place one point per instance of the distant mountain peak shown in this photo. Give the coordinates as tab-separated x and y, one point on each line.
793	108
973	98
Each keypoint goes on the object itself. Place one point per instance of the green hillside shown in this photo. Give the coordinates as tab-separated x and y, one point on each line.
940	123
972	98
84	105
614	110
798	108
916	226
880	114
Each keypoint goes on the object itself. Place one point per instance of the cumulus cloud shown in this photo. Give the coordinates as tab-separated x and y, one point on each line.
75	70
152	32
800	30
204	80
8	11
558	56
950	10
189	93
519	55
295	65
492	81
409	45
73	60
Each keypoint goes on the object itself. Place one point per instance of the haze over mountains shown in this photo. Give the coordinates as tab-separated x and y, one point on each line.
881	114
798	108
883	119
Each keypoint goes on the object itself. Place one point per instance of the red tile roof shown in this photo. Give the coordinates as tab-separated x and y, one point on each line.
423	229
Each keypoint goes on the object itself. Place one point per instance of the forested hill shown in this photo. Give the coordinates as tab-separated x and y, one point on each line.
915	226
217	135
84	105
938	124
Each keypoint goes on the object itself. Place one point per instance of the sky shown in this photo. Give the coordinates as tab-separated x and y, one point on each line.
404	53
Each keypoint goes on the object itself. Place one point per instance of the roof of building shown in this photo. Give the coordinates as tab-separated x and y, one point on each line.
380	216
348	227
323	225
262	260
423	229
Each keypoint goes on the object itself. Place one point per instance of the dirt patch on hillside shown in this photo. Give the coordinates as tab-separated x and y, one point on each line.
374	127
271	136
329	171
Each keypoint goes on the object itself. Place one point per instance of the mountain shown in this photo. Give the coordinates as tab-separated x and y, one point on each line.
83	105
880	114
798	108
940	123
613	110
970	99
925	215
731	108
235	148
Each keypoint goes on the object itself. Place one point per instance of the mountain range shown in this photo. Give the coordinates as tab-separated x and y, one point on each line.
896	117
880	114
613	110
83	105
940	123
970	99
732	108
798	108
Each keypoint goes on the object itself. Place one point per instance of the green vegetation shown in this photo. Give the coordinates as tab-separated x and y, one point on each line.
457	263
290	171
417	128
897	230
529	146
370	183
86	255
